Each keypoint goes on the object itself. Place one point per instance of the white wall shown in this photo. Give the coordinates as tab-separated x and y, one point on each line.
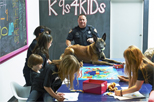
151	24
11	70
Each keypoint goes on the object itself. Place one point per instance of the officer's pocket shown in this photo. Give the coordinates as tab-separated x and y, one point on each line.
77	36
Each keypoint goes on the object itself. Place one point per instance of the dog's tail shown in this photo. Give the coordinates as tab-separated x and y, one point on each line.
71	51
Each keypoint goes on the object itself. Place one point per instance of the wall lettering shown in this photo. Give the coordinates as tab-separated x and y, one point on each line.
78	5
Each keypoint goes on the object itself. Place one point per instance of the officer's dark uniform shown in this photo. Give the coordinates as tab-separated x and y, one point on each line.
80	35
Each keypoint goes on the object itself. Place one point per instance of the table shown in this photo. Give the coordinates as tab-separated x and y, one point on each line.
87	97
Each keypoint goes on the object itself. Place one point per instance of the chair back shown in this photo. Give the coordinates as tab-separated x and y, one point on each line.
20	92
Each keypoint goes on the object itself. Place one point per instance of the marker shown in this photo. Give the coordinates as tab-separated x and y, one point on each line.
66	98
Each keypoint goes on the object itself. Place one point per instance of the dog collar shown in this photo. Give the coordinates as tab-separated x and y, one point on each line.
103	48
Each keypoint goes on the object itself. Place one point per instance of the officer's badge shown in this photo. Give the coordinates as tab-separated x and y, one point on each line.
89	32
95	30
70	31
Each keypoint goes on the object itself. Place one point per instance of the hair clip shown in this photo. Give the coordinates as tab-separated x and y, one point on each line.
42	30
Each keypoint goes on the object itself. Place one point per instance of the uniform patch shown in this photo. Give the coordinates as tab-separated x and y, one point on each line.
95	30
70	31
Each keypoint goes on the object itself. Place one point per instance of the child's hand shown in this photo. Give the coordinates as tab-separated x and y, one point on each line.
49	61
117	92
124	63
123	78
60	94
60	98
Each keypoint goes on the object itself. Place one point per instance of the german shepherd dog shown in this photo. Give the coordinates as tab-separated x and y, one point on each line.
92	53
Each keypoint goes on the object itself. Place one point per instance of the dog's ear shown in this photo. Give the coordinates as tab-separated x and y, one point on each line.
104	36
95	37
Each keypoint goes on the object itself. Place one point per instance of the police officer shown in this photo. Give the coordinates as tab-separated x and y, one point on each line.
82	34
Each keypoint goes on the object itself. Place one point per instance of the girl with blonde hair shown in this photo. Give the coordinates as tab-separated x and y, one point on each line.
51	78
139	70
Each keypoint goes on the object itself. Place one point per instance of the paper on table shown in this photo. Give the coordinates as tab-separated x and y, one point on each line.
66	81
136	94
70	96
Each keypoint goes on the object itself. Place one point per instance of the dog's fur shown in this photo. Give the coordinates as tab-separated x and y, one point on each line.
92	53
149	53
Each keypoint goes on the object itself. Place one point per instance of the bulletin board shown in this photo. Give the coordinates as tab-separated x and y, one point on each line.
13	28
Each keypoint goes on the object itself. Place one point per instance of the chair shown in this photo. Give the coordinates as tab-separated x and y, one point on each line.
20	92
151	97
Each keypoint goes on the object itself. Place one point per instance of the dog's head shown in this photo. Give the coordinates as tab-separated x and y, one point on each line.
100	42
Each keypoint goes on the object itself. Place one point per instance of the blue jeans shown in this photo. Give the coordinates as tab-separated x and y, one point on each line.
34	95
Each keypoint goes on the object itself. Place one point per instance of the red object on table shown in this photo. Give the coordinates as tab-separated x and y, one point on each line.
94	86
118	66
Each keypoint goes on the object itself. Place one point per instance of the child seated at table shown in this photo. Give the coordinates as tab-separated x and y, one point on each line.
35	62
50	79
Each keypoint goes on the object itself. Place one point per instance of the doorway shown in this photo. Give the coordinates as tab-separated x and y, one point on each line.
126	26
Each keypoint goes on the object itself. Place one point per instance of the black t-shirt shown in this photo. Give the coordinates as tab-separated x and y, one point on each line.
149	73
31	47
44	60
26	69
33	75
47	78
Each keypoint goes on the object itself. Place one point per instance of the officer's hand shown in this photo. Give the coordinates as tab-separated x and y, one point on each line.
69	45
91	40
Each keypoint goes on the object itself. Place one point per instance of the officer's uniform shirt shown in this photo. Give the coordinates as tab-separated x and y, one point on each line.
80	35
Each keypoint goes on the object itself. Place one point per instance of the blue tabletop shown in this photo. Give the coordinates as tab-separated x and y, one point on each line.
88	97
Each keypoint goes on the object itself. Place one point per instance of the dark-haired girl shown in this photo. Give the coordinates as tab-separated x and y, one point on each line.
26	69
42	48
